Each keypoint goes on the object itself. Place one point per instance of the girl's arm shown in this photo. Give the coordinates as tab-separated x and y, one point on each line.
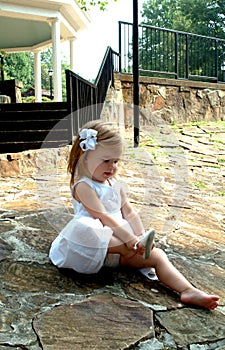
130	215
88	197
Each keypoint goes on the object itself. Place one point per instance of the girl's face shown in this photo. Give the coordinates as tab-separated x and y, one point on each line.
102	163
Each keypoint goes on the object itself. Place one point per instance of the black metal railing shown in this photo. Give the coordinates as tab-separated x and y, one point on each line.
86	99
173	54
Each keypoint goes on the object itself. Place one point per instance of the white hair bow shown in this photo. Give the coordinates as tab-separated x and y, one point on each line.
89	137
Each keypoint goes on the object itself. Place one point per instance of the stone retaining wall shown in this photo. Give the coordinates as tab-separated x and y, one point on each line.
41	161
175	101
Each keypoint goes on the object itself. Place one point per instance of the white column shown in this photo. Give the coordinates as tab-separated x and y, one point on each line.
56	61
37	76
72	54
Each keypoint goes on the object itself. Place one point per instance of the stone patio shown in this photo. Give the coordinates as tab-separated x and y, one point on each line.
175	180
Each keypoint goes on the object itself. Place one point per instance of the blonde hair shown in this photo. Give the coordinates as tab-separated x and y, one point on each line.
108	135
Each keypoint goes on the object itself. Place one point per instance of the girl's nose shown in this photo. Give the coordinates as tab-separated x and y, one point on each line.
112	165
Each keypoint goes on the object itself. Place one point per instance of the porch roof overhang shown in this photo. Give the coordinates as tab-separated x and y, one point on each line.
25	25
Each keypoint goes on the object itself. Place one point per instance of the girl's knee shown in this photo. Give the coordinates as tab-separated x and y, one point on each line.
158	251
158	254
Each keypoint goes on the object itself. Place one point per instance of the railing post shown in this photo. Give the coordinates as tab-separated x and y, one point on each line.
176	54
76	111
187	57
69	106
216	61
136	73
111	67
120	48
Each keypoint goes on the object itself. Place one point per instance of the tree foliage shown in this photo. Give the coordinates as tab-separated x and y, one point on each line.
204	17
85	5
20	66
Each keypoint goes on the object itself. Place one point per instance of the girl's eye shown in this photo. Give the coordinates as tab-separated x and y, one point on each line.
108	160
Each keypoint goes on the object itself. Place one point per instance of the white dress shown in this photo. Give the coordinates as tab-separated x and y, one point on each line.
82	245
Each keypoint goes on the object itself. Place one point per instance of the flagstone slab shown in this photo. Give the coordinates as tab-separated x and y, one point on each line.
101	322
23	277
193	325
153	294
5	249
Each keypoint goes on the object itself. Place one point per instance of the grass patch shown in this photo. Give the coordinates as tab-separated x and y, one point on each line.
199	185
222	193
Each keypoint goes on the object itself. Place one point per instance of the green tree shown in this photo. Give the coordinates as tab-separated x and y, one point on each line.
64	67
46	64
20	66
159	13
85	5
2	54
203	17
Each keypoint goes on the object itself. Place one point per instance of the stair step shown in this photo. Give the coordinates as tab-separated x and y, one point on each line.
14	147
49	106
30	135
26	116
21	125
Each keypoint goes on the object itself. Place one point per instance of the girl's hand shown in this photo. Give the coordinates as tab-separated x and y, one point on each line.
139	247
132	245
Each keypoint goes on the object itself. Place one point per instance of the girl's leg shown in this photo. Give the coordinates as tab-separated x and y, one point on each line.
172	278
116	246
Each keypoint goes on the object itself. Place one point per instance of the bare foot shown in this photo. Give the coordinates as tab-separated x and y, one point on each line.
196	297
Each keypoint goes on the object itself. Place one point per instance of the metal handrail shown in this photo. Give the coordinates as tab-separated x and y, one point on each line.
174	54
85	99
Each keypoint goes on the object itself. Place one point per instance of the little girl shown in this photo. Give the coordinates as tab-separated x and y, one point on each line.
105	230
